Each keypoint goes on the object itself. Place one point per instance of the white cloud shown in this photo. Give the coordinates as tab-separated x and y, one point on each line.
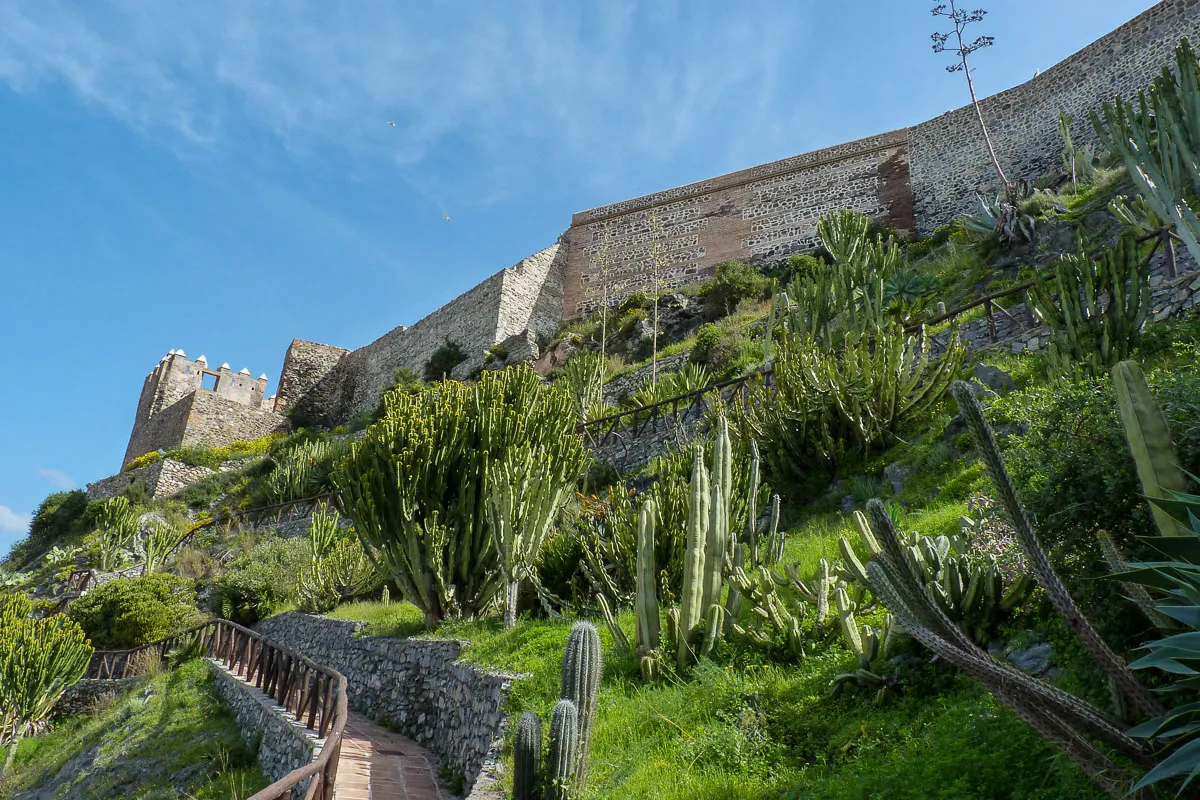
13	522
58	479
605	87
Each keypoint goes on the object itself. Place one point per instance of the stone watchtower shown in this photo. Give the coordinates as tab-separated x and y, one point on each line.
184	403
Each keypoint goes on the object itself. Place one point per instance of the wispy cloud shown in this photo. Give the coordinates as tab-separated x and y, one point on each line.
600	86
13	522
58	479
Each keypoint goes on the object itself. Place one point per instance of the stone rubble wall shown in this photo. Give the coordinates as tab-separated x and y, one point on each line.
948	157
85	695
283	743
416	686
524	297
163	478
216	421
756	214
305	365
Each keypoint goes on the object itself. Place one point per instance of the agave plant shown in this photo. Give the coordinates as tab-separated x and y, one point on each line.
1000	218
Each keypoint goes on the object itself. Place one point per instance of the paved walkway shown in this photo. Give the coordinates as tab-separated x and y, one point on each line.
377	764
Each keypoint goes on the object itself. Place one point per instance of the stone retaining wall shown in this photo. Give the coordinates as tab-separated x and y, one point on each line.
163	478
283	744
416	686
86	694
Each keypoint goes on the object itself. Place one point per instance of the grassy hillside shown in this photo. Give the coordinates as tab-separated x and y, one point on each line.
170	738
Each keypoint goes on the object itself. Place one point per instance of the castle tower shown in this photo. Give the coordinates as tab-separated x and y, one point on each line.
184	403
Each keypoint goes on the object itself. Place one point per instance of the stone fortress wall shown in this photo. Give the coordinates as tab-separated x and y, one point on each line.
948	159
913	179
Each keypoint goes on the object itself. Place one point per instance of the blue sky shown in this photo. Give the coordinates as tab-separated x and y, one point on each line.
220	176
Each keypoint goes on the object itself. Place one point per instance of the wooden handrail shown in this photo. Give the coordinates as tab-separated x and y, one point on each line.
315	694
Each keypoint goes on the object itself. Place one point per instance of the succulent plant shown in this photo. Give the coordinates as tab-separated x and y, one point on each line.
562	757
527	758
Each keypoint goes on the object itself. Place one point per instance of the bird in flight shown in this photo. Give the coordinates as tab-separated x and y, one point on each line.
445	216
391	123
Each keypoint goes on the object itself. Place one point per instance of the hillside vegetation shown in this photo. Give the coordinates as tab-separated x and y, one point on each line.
906	571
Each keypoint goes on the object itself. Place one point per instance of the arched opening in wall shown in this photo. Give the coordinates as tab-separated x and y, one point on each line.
209	381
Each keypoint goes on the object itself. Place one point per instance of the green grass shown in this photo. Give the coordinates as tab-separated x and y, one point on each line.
170	738
748	728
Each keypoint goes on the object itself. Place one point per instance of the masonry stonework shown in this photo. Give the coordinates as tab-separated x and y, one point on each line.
756	214
184	403
417	686
524	298
949	162
913	179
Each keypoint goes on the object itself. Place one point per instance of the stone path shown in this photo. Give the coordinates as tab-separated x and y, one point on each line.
377	764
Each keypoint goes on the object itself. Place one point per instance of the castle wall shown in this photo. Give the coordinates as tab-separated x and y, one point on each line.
948	159
305	365
756	214
163	431
217	421
525	296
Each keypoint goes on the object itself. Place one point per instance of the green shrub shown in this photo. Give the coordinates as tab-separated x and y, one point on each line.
630	319
62	517
801	266
734	282
708	337
130	612
632	302
261	581
444	360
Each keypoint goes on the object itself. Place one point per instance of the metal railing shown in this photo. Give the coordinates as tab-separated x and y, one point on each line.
316	695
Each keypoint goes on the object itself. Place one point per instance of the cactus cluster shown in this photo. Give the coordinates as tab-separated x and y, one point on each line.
1095	308
562	774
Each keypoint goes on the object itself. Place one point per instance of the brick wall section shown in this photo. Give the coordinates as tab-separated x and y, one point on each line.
949	161
524	297
755	214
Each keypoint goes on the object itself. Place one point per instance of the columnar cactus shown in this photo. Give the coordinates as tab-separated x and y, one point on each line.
563	756
646	601
581	668
1149	441
527	758
1114	666
690	601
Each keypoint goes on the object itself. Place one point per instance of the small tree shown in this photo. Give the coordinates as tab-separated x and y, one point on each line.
962	49
39	660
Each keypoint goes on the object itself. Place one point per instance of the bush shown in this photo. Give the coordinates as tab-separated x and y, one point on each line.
801	266
261	581
734	282
633	301
444	360
62	517
130	612
708	337
630	319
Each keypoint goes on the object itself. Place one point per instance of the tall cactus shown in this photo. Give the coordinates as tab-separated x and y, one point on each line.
646	608
1149	441
39	660
581	667
690	601
1089	330
425	486
527	758
1060	718
1113	665
563	755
